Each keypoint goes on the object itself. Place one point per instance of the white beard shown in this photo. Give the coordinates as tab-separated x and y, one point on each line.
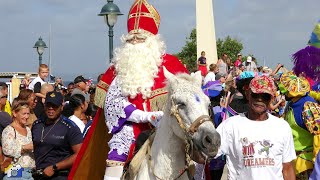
137	65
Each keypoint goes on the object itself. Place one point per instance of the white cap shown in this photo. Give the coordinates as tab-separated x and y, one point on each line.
249	59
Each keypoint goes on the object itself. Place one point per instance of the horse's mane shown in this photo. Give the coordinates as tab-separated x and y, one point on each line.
181	76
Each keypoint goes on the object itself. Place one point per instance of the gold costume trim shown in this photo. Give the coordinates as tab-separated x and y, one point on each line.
112	163
158	91
101	93
151	14
103	85
158	99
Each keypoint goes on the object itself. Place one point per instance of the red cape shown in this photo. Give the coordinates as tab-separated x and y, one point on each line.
91	160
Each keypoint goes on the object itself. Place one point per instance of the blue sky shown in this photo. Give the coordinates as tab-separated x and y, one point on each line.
271	30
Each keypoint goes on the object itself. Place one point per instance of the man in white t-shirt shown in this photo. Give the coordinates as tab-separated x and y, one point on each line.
257	144
249	64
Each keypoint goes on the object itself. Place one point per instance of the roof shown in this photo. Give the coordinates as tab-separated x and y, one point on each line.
17	74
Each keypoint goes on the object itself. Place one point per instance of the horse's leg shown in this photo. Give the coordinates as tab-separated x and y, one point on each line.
145	172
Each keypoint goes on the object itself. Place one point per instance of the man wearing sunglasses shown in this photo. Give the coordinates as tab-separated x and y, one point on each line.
257	143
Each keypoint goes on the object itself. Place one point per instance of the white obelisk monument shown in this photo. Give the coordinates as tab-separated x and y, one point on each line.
206	36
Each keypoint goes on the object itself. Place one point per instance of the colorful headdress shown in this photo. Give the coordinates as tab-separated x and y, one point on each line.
307	60
263	84
315	36
143	17
292	85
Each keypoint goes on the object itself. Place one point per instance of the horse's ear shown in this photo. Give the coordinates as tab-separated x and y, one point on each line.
167	74
198	78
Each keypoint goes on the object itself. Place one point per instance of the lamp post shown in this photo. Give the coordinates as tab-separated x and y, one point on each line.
110	11
40	45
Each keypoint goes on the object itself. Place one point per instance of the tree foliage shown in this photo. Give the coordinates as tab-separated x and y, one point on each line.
188	54
229	46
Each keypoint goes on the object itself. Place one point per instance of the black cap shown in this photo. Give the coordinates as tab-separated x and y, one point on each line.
54	98
79	79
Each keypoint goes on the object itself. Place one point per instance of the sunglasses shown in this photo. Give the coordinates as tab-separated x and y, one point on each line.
263	96
4	97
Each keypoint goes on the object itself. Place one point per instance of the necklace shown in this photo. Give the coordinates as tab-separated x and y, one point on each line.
42	137
19	127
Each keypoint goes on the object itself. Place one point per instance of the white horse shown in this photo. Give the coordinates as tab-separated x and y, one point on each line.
185	132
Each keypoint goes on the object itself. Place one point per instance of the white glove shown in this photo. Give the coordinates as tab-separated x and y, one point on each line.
139	116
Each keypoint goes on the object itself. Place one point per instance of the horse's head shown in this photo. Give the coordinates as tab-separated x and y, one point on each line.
189	106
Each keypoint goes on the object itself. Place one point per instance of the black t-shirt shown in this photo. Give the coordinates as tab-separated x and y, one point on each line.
37	87
202	60
57	141
39	109
5	120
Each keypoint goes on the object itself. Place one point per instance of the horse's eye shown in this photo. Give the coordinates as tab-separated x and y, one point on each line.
181	105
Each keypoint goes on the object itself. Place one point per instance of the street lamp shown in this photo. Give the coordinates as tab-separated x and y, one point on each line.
110	11
40	45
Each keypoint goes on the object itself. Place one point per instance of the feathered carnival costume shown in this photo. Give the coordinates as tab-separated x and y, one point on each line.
302	115
303	112
307	62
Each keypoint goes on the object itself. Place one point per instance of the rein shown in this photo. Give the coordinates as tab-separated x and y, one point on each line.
187	140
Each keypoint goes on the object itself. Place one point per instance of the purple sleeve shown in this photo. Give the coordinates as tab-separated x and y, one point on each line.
122	121
316	170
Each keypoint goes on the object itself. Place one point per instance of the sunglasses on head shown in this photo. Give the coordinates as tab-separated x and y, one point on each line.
263	96
4	97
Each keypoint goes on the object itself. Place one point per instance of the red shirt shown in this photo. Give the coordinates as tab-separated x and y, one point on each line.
237	63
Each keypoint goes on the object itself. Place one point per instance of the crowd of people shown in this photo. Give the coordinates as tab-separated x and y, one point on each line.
44	126
268	120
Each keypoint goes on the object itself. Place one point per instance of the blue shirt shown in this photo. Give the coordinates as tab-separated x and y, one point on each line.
202	60
316	169
53	143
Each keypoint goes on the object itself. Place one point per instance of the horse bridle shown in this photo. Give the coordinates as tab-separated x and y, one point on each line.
188	133
194	126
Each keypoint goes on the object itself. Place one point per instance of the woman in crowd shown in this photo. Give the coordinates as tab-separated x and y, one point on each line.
17	141
90	114
25	82
29	96
202	64
76	106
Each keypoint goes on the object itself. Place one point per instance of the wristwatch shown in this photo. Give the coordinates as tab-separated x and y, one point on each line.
55	168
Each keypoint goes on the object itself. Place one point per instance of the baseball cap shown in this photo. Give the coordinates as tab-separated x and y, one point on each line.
79	79
249	59
262	84
54	97
239	54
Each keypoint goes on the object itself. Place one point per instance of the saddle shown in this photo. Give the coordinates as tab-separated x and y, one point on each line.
143	149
